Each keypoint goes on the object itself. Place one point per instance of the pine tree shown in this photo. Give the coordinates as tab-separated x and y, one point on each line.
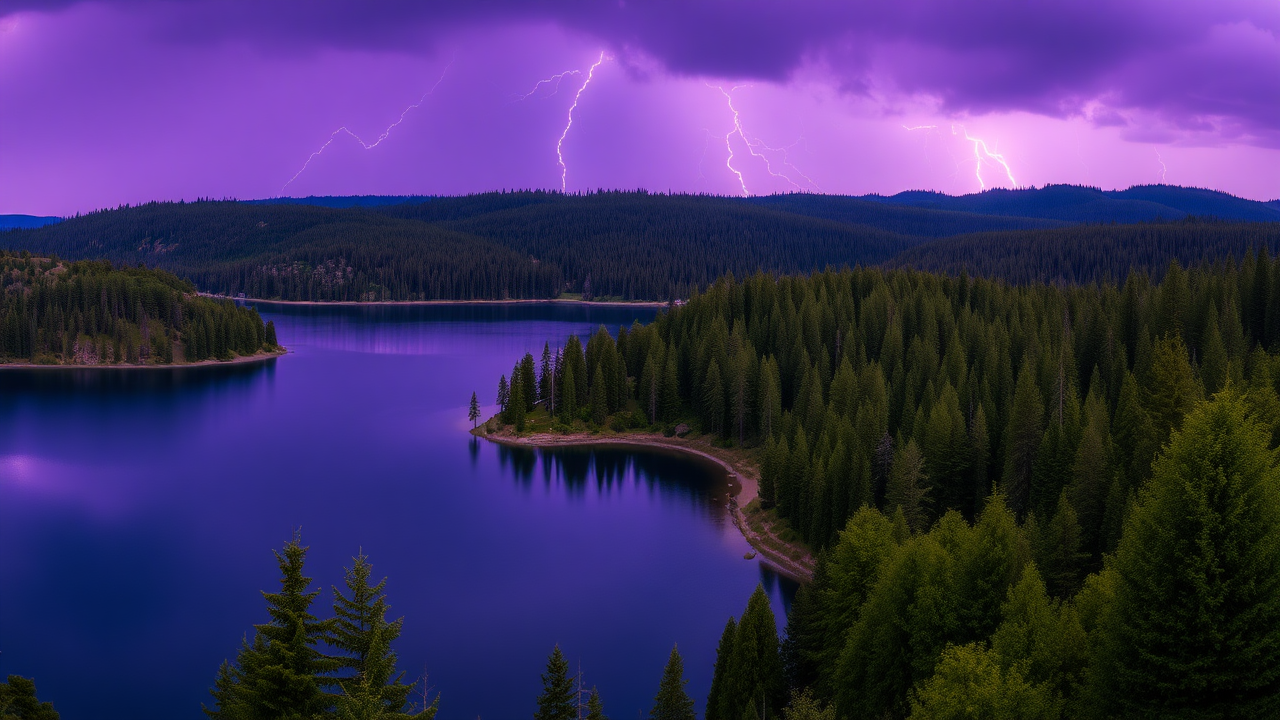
1194	630
719	703
504	396
672	702
595	709
473	414
1026	427
712	401
283	670
558	700
755	679
271	334
907	486
568	397
369	686
18	701
599	405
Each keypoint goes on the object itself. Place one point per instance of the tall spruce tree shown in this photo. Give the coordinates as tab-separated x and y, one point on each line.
672	702
473	413
595	708
558	700
282	672
369	687
719	703
1194	630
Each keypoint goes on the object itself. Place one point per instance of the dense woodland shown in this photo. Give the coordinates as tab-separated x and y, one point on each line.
641	246
1090	253
89	313
888	406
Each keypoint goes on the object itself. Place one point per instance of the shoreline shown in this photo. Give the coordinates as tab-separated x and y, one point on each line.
407	303
740	473
242	360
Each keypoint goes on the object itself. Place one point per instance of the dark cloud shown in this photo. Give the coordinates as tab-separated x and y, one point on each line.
1195	62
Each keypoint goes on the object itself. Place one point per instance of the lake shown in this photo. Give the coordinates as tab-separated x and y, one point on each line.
139	511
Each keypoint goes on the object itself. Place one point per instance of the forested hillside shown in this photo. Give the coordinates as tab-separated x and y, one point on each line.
887	406
1077	204
88	313
1091	253
297	252
636	245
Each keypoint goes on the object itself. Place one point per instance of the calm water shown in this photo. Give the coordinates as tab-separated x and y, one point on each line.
138	512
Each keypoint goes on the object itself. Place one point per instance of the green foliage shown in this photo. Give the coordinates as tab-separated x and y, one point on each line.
719	703
1194	629
749	673
970	684
595	708
672	702
369	687
282	672
558	700
89	313
18	701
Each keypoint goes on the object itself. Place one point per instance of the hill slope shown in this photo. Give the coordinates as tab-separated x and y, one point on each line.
1090	253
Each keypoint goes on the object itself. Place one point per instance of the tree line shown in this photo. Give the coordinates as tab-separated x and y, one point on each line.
344	667
91	313
886	407
608	244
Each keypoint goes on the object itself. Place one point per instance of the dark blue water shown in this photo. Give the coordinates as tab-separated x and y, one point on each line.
139	509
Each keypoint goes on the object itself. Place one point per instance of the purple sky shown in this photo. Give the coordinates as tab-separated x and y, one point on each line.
123	101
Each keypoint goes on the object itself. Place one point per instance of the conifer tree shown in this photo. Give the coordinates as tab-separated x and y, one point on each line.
1026	427
599	405
1194	630
282	672
271	334
907	489
755	677
719	703
712	401
18	701
558	698
368	684
568	396
672	702
473	414
595	709
504	396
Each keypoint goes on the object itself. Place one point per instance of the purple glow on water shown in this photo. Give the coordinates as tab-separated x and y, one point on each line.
138	511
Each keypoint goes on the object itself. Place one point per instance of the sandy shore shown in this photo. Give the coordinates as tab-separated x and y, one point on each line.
408	303
742	472
242	360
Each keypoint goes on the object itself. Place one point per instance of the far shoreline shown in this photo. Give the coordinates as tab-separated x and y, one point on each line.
740	473
408	303
241	360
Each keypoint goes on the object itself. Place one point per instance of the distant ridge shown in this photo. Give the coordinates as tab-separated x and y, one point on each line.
1023	208
342	201
636	245
1077	204
10	222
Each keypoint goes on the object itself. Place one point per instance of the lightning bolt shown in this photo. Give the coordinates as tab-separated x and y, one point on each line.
546	81
980	149
752	143
920	127
564	171
385	133
1164	169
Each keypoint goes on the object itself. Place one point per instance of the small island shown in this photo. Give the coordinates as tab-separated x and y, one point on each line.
55	313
